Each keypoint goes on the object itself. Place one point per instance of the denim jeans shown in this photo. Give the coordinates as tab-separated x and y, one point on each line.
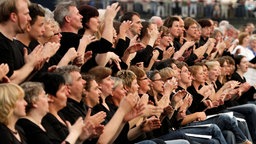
212	130
249	111
225	122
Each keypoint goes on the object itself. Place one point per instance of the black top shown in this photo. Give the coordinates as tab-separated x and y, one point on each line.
7	136
7	48
246	96
197	104
56	131
143	55
97	47
34	134
73	111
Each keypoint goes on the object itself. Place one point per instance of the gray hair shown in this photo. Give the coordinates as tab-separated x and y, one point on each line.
65	72
62	10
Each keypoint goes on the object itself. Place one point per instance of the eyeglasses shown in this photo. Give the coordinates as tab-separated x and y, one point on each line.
146	78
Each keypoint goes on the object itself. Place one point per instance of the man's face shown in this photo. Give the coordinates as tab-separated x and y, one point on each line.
37	29
136	26
75	18
77	86
23	17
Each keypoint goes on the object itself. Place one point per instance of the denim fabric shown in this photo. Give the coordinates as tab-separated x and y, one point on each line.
249	111
212	130
225	122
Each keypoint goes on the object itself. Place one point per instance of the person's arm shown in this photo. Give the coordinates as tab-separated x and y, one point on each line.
31	61
70	55
198	116
114	126
108	21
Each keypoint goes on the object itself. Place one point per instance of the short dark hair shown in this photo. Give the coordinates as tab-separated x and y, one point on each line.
87	12
52	82
204	23
35	10
88	78
128	16
169	21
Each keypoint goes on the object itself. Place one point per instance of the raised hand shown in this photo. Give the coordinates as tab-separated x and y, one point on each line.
111	11
4	68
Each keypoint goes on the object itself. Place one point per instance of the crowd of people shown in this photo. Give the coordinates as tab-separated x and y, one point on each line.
77	75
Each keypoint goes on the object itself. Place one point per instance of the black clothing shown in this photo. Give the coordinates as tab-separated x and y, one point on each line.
34	134
56	131
7	48
143	55
247	95
7	136
73	111
197	104
97	47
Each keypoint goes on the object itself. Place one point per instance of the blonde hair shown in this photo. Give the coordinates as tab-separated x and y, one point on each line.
211	64
127	76
166	73
9	95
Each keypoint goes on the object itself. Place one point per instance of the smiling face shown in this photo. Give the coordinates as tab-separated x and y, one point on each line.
214	73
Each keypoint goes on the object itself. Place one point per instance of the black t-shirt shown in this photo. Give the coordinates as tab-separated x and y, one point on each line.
34	134
6	54
73	111
7	137
56	131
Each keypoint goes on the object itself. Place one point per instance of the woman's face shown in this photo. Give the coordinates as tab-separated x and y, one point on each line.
107	86
56	37
199	76
134	87
61	96
243	66
175	29
158	83
42	103
192	30
144	83
218	37
185	76
246	40
165	40
93	24
119	92
214	73
20	108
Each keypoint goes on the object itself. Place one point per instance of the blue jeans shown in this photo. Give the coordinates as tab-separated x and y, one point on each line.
249	111
225	122
212	130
